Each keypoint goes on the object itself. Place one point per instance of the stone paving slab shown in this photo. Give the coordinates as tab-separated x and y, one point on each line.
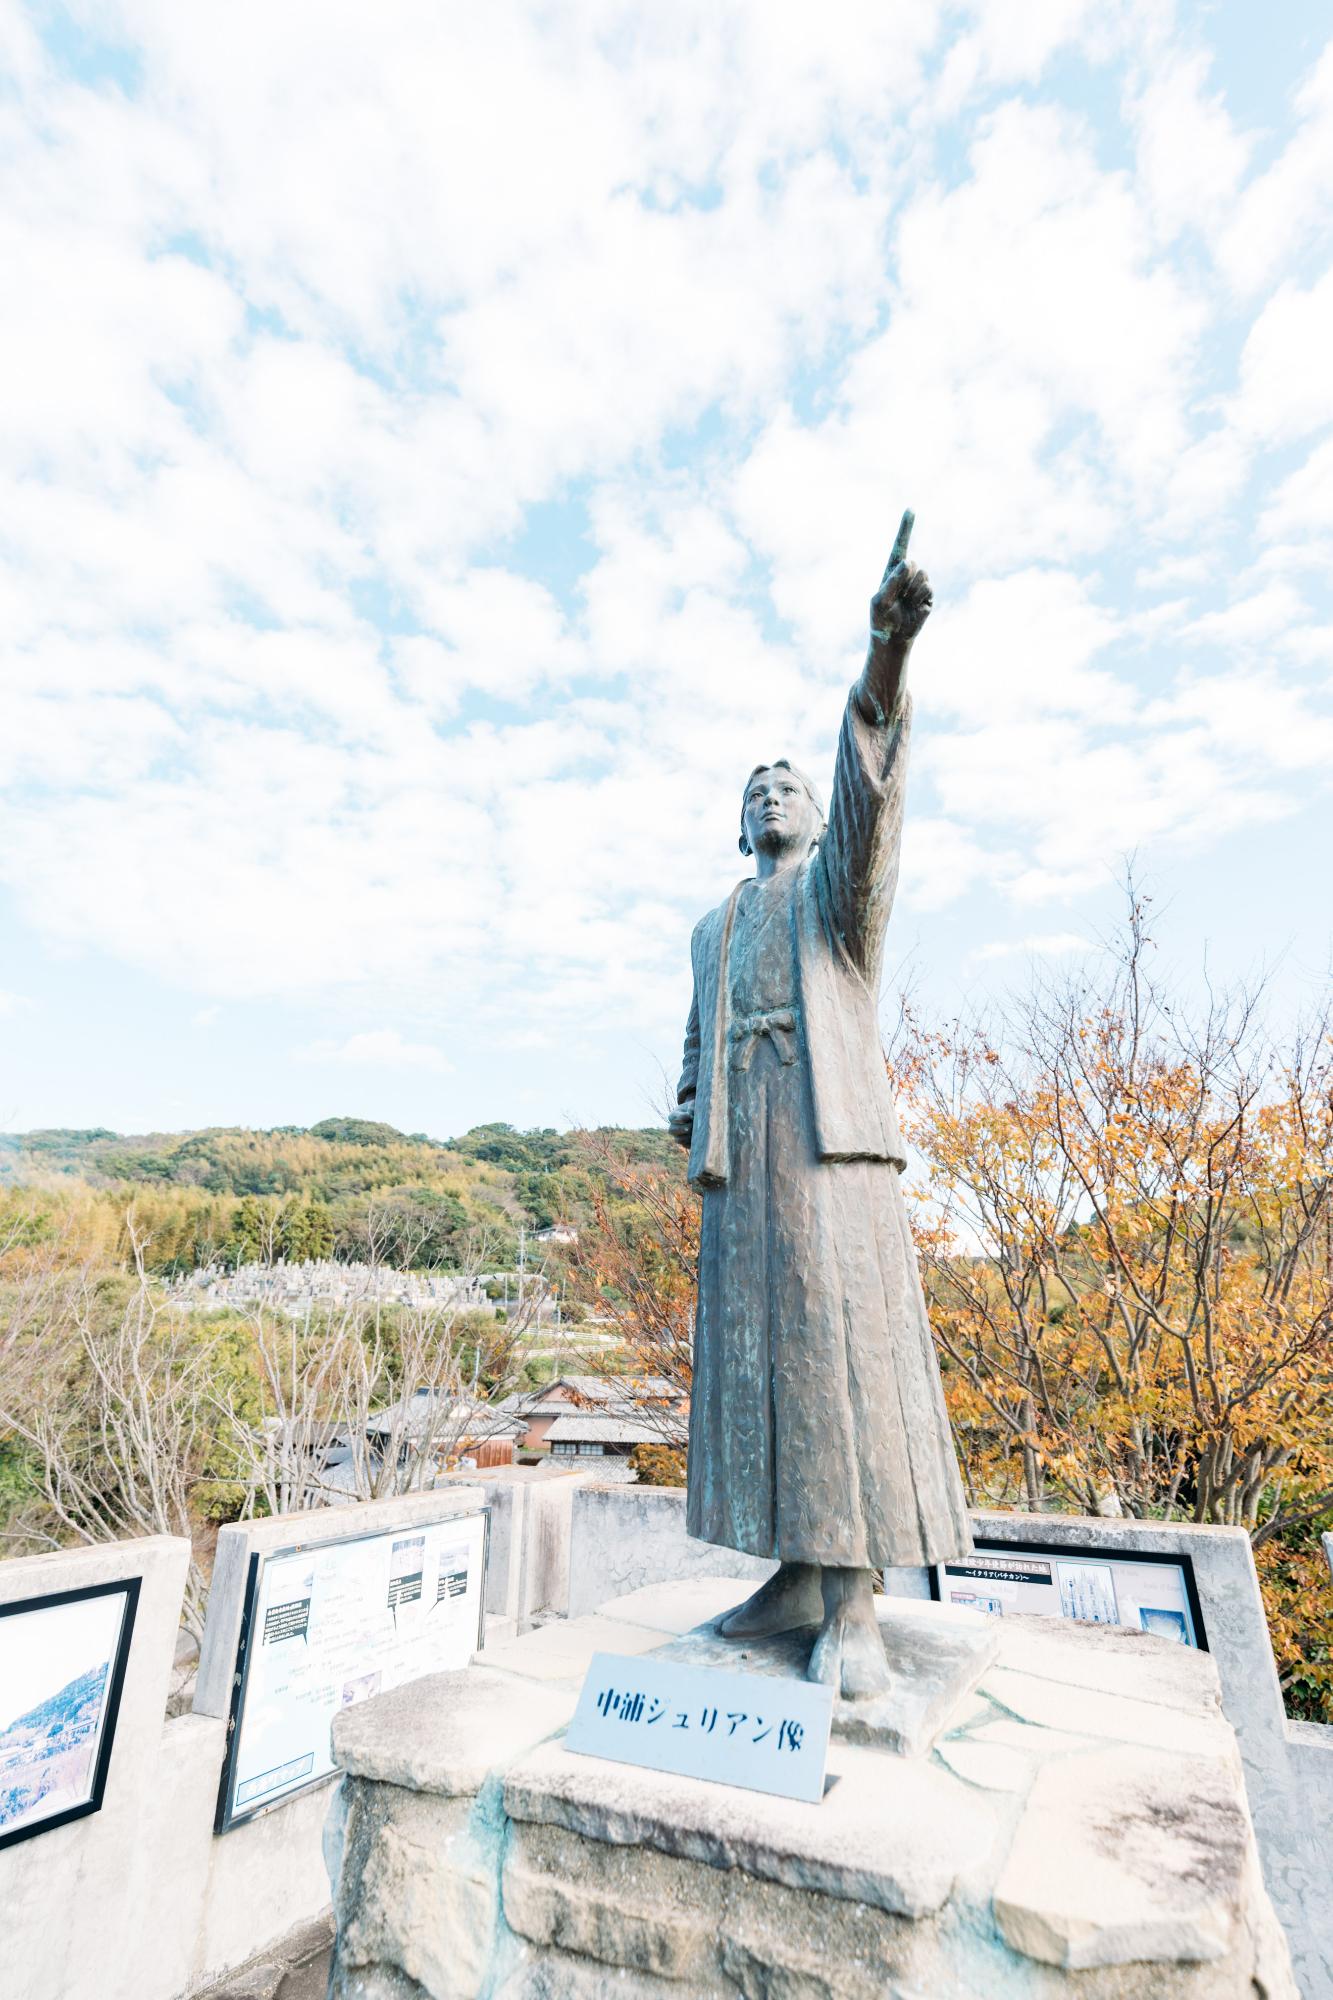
990	1765
1125	1856
1113	1659
678	1607
1027	1737
1053	1704
563	1650
892	1834
446	1732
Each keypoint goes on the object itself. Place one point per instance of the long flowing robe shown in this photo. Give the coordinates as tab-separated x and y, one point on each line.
818	1431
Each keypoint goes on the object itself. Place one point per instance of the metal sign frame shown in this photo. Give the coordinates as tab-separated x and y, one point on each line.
227	1815
127	1588
1067	1552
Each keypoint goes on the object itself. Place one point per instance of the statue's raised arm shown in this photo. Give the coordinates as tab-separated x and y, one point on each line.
898	610
856	871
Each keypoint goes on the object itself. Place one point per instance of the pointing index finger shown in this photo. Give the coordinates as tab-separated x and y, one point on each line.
903	538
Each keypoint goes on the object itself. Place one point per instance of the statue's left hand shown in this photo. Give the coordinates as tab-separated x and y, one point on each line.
901	605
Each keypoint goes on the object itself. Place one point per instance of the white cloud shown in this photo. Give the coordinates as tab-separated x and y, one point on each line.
1286	386
1285	208
1191	158
376	1048
446	453
1044	944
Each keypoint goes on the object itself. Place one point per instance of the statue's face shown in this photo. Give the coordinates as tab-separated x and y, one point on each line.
780	815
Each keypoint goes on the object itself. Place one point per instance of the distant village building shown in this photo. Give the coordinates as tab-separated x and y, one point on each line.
448	1432
591	1434
559	1232
597	1416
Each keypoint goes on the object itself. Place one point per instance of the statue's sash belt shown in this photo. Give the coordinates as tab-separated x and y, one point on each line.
747	1029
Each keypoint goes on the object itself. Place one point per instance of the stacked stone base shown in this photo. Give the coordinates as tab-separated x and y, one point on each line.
1078	1829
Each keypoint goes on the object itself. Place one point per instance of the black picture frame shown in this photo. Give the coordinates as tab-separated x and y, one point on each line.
1054	1551
127	1588
226	1814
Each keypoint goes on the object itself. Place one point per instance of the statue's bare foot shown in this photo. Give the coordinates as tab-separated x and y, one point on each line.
789	1600
849	1652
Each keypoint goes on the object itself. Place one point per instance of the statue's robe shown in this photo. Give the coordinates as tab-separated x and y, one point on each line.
818	1431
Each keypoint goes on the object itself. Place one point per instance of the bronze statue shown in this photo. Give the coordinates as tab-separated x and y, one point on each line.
818	1432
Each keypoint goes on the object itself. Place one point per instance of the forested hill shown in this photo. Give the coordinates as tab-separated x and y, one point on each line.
339	1188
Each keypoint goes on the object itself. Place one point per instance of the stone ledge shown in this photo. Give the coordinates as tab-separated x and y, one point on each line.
887	1832
1123	1856
563	1650
1115	1660
448	1732
1050	1703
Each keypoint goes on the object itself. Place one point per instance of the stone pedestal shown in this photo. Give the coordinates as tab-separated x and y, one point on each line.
1076	1825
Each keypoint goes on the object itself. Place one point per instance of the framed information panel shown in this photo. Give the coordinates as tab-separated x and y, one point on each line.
332	1623
62	1669
1104	1586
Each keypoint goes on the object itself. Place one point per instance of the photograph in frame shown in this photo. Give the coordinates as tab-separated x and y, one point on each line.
62	1668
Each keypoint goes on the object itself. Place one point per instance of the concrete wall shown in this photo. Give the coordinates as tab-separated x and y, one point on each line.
623	1537
142	1900
78	1901
528	1570
543	1590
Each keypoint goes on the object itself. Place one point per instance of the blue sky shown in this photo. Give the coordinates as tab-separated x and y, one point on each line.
445	448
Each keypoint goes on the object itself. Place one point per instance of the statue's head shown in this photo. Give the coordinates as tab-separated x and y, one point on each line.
780	811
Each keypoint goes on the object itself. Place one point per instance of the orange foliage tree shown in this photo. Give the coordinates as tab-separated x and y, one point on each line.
1127	1243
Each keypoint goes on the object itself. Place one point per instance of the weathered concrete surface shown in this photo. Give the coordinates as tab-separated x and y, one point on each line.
895	1835
142	1901
934	1663
296	1968
445	1733
625	1537
64	1894
528	1565
1016	1859
1126	1855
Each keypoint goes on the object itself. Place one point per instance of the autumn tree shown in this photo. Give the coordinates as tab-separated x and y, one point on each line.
1127	1239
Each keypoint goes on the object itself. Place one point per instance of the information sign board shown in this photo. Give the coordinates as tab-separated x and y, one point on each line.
757	1730
333	1623
1149	1593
